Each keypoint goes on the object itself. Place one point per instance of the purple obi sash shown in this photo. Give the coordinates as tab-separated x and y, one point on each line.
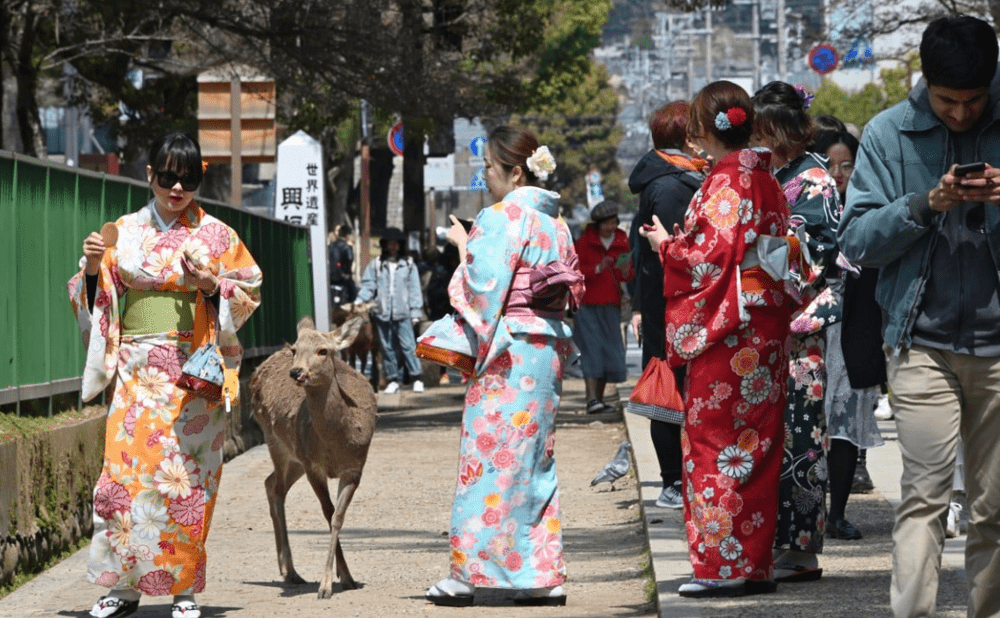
544	291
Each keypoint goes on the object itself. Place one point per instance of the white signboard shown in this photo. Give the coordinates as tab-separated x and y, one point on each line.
439	172
299	199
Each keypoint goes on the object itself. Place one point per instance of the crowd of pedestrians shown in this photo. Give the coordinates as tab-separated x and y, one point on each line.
790	274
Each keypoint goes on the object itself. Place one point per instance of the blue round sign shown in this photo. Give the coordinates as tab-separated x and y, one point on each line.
823	59
395	139
478	146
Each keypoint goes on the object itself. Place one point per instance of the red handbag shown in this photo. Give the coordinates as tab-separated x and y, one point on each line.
655	395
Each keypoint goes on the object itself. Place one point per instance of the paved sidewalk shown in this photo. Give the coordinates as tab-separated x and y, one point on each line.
856	573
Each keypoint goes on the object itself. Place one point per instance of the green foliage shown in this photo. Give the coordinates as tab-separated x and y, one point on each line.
572	107
862	106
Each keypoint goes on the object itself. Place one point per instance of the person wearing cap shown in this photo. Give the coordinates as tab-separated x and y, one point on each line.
934	235
606	264
394	281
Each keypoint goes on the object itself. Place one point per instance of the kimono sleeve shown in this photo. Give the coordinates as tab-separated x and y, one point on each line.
240	281
100	329
480	285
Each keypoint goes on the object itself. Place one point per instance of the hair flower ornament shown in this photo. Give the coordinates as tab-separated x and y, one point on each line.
806	96
732	117
541	163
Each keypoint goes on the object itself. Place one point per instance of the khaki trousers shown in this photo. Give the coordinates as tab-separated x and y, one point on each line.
936	396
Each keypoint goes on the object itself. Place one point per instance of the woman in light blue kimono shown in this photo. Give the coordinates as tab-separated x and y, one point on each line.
518	272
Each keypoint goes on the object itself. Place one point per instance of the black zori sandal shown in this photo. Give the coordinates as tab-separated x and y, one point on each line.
121	607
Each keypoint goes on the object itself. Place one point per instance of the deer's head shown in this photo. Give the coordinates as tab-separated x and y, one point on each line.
313	350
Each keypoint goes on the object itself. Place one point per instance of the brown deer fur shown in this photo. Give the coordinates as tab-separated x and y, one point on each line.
365	346
318	417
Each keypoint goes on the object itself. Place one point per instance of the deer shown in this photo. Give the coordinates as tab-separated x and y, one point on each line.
366	345
318	416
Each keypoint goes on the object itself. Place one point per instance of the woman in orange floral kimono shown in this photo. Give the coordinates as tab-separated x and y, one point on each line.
184	277
730	278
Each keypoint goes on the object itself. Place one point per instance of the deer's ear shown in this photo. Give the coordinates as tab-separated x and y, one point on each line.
345	335
305	322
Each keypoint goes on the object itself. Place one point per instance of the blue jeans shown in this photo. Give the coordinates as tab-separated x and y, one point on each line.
390	334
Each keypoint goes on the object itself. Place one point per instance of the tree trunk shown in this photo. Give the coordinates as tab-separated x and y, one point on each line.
413	148
28	122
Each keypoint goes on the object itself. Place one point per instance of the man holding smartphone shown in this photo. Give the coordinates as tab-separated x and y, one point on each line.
917	210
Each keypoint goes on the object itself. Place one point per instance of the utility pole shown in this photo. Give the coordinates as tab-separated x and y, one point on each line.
235	142
366	194
755	36
690	64
708	45
782	40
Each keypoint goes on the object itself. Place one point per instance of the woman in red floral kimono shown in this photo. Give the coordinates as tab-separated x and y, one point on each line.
731	280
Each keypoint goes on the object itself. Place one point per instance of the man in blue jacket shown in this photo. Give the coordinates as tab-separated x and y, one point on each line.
393	280
935	235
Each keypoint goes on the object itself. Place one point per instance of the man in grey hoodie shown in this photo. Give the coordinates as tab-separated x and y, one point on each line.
935	236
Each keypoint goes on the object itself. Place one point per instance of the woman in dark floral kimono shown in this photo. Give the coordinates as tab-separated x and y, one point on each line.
730	278
782	125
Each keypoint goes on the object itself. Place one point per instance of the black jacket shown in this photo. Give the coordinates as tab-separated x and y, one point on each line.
664	190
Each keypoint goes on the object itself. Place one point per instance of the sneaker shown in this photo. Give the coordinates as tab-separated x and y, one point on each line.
418	386
670	498
862	481
953	528
595	407
391	388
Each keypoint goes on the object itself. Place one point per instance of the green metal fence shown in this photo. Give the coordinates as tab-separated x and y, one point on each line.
47	209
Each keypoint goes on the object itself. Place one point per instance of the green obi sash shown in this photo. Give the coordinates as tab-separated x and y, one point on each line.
154	311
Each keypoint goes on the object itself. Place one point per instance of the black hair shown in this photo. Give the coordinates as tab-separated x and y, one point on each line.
826	140
780	113
344	231
959	53
176	152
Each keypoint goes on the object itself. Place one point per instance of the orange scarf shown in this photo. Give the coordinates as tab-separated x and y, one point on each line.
689	163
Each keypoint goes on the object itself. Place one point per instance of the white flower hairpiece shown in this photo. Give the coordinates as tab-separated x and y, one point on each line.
541	163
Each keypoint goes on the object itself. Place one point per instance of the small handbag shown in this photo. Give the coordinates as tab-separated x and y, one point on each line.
655	395
205	373
451	342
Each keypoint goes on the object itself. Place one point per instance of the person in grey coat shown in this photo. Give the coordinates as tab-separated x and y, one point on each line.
934	233
394	282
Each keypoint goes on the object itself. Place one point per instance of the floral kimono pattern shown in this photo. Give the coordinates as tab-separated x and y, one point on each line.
815	204
163	449
505	523
730	323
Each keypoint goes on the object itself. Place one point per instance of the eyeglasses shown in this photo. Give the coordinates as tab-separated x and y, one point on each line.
168	180
844	167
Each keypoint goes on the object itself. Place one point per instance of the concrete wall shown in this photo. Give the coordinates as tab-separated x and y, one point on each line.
47	482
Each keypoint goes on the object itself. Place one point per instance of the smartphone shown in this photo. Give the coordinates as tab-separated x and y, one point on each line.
466	223
969	168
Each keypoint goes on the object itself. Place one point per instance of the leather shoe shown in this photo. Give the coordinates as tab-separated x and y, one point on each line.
842	529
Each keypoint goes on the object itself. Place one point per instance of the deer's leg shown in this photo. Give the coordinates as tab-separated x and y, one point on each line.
345	493
277	485
322	490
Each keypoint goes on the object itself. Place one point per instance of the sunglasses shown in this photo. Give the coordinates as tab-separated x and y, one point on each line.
168	179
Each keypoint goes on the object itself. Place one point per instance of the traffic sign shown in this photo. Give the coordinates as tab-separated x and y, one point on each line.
478	182
478	146
823	58
395	139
